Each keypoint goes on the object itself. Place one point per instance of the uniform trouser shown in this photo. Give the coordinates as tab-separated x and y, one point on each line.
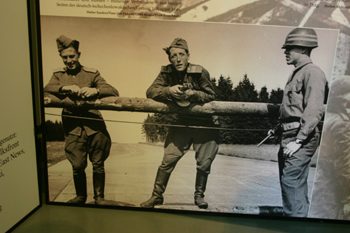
96	146
179	141
78	148
294	171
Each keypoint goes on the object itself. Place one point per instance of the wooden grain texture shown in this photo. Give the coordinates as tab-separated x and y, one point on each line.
149	105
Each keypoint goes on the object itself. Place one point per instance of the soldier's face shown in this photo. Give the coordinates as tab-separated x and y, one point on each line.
293	55
179	58
70	58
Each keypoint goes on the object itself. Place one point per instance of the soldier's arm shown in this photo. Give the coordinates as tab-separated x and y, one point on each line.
160	89
206	92
54	86
104	89
314	94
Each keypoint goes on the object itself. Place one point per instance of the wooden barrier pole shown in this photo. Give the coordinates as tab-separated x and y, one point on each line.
149	105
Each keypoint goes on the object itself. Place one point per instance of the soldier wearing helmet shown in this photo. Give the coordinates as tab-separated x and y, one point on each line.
84	137
300	112
184	83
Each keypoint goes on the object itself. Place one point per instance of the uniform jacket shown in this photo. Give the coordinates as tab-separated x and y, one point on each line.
195	75
304	97
82	77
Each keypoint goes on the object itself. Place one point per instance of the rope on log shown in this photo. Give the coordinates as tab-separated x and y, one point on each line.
148	105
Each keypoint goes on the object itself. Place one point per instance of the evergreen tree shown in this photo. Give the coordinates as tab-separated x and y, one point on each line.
155	127
245	91
276	96
263	95
54	131
224	91
149	130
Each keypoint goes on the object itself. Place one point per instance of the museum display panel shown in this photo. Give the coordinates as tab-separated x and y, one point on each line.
231	75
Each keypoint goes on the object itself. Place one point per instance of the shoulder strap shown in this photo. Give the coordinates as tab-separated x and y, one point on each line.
194	69
90	70
60	70
166	69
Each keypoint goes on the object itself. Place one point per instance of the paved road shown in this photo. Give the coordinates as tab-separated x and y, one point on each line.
236	185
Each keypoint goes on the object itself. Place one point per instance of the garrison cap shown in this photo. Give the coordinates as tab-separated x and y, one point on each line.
64	42
177	43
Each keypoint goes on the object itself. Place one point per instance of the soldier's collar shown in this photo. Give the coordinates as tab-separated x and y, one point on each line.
75	71
303	63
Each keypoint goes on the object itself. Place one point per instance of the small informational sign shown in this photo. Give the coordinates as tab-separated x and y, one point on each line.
19	188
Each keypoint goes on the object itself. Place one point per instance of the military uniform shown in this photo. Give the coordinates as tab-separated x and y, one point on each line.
84	137
180	139
84	77
300	112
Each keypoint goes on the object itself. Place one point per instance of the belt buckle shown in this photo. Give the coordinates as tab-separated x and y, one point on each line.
289	126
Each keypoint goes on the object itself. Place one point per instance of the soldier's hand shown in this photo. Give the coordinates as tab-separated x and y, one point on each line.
176	92
87	92
271	132
291	148
71	89
188	94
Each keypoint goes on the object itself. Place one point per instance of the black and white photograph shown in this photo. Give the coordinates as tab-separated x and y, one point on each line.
175	116
191	143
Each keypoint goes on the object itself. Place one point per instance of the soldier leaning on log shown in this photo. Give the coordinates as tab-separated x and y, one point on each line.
300	112
84	137
184	83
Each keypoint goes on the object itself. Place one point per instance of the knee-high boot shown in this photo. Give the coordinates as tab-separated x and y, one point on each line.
99	188
160	184
80	189
201	184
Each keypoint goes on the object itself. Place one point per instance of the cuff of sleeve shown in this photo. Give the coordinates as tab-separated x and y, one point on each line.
301	137
195	96
101	92
59	90
166	93
299	141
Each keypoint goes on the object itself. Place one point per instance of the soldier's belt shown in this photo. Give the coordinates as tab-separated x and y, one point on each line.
290	126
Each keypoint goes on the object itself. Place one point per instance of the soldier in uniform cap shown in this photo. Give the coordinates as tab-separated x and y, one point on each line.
184	83
300	112
84	137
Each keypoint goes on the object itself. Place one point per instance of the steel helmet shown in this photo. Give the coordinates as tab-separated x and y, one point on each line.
304	37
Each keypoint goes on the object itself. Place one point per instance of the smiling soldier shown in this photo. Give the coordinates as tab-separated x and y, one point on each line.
84	137
184	83
300	112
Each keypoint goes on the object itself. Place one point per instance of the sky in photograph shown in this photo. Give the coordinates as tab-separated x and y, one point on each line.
128	53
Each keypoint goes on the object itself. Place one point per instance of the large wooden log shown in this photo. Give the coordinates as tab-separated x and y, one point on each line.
149	105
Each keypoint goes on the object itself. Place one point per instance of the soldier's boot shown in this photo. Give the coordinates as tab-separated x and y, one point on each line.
98	180
160	184
201	184
80	189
